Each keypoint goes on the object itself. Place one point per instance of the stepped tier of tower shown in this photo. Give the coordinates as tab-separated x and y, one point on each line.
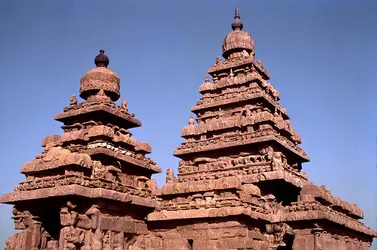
239	178
91	183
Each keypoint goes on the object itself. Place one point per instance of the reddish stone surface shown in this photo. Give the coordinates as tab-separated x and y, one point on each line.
239	183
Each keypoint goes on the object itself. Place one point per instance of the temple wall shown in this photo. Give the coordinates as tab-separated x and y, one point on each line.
305	239
205	236
337	242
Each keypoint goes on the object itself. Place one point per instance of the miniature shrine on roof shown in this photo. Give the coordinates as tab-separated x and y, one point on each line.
239	184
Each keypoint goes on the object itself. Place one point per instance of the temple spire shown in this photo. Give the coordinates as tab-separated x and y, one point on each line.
237	23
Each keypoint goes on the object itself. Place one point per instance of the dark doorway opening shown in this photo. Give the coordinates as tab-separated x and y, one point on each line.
288	240
191	243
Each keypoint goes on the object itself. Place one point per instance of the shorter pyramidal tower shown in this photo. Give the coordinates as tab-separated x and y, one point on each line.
240	184
91	187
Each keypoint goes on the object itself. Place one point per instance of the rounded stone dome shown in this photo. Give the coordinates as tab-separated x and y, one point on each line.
99	78
206	86
237	40
190	128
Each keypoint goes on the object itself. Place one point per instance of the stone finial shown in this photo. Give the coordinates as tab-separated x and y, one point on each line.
207	79
237	40
206	86
191	120
218	60
124	106
72	100
237	23
190	128
101	60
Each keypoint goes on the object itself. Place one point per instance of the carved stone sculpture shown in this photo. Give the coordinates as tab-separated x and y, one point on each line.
169	175
124	106
73	100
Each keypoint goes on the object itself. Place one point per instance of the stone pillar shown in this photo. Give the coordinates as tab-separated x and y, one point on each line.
30	237
316	231
65	221
33	239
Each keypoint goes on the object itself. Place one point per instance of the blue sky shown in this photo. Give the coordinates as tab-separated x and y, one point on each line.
321	56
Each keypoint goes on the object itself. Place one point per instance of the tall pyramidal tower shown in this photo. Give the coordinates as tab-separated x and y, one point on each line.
240	184
91	188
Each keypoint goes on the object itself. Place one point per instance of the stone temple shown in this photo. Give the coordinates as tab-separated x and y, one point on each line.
239	183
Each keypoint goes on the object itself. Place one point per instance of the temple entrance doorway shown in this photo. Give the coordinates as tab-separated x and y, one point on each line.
288	240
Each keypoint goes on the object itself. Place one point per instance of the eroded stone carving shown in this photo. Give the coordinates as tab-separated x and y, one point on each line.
170	175
124	106
73	100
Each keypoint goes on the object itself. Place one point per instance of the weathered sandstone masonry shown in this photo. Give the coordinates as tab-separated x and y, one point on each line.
239	183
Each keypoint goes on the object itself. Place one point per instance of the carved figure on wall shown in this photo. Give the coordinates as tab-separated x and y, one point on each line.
170	175
278	231
245	53
268	152
99	170
107	240
151	184
45	237
100	97
297	137
93	210
277	160
52	245
279	121
218	60
70	236
97	239
87	243
111	173
30	237
73	100
74	238
141	182
124	106
249	118
118	241
181	166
